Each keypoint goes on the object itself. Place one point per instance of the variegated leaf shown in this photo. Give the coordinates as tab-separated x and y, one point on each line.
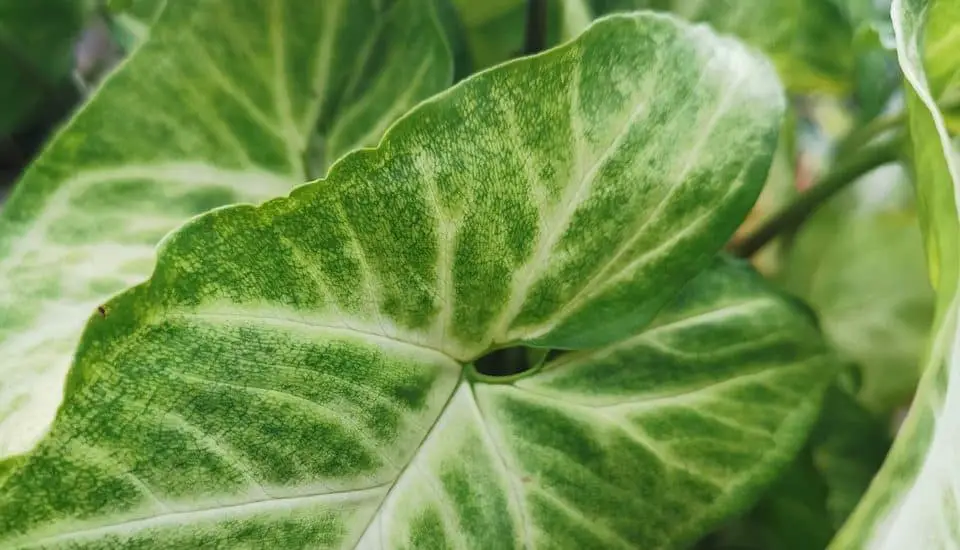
913	500
300	374
227	101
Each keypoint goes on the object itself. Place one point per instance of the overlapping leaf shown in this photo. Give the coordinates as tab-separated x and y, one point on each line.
298	374
226	102
913	500
495	29
811	500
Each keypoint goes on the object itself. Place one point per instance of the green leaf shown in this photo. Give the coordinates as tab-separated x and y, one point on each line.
859	262
862	11
495	29
940	42
455	34
36	55
847	447
130	21
810	41
807	504
913	502
299	374
940	45
226	102
193	429
791	515
877	74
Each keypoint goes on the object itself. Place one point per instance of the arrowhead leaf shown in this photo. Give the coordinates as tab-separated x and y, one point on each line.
299	374
226	102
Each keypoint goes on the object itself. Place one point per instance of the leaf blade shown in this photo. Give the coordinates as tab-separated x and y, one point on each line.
233	113
356	275
575	463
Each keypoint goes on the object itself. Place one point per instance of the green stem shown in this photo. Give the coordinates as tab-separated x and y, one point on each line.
794	214
864	157
535	37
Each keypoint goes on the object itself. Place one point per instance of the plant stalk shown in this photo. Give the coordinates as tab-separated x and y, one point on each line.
535	36
794	214
862	136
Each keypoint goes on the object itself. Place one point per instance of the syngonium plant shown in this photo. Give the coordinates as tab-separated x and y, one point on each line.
280	283
303	373
224	103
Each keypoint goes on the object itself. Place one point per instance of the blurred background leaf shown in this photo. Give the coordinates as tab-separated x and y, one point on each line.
859	262
809	40
37	38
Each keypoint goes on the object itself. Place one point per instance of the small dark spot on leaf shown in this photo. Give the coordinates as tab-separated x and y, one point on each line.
102	310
